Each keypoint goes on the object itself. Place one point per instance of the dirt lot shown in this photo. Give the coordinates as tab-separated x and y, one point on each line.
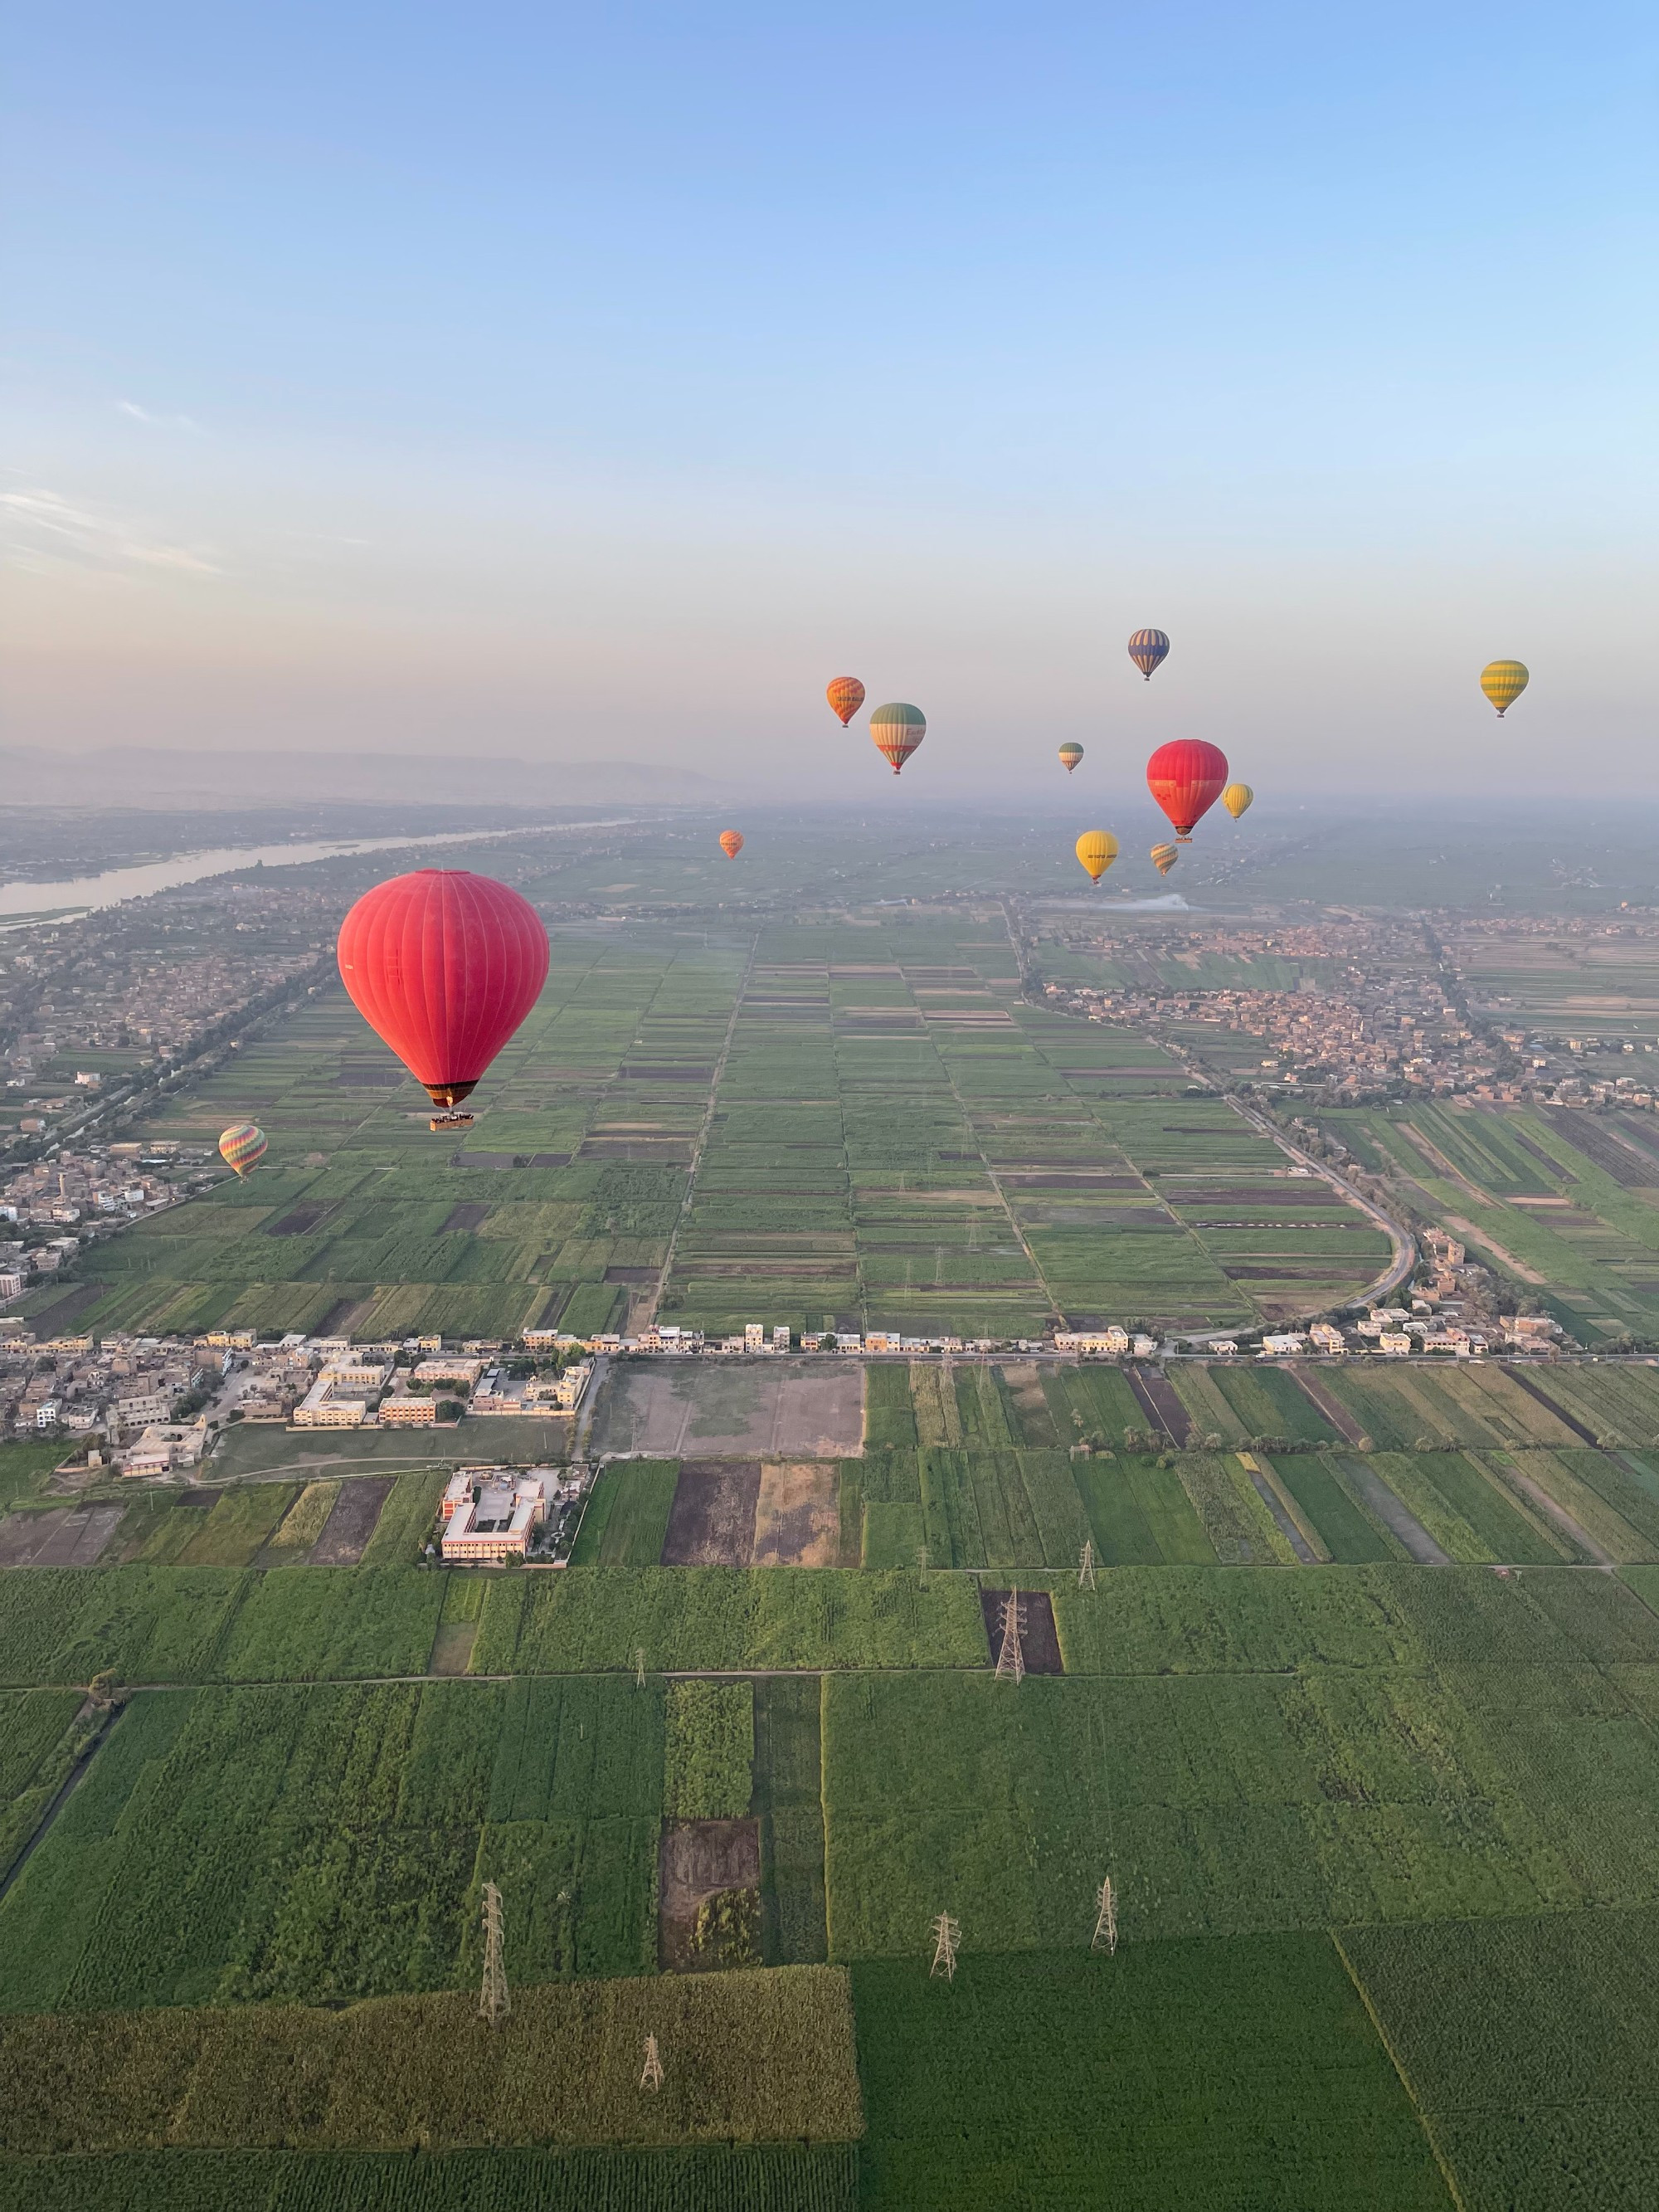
351	1523
1155	1395
741	1408
61	1538
1039	1640
698	1859
712	1522
797	1519
470	1214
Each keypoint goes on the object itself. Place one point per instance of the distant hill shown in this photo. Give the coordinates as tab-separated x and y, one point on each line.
144	776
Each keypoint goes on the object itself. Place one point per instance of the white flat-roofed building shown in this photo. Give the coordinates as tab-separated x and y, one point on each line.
138	1411
449	1367
1327	1338
1282	1347
1394	1342
495	1519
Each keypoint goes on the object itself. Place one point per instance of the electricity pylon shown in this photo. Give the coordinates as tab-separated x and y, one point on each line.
652	2077
1105	1935
638	1666
1011	1658
1086	1565
947	1934
494	2004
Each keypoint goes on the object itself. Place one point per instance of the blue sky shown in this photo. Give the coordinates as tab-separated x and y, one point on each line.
563	380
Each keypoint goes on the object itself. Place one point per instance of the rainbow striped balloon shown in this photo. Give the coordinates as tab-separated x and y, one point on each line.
1147	649
242	1146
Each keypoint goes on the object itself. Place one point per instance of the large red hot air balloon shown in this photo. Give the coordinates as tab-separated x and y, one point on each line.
1186	778
443	965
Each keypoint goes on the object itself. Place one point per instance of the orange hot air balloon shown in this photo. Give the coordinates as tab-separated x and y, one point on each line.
846	696
897	730
1070	754
1164	858
1186	778
731	844
1096	849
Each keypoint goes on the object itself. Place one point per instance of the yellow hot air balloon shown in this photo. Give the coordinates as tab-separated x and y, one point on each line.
1503	682
1164	858
1070	754
1236	798
1096	849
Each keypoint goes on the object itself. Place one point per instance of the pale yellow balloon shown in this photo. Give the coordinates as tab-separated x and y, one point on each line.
1096	849
1236	798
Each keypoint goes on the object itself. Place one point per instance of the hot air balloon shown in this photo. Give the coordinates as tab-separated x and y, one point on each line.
846	696
1503	682
1147	648
898	731
1236	798
731	844
443	965
242	1146
1186	778
1070	754
1164	858
1096	849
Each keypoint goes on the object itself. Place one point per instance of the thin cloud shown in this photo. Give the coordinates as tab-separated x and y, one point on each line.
131	408
40	528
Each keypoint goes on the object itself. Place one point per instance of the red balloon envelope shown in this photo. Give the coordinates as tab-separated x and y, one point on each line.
443	965
1186	778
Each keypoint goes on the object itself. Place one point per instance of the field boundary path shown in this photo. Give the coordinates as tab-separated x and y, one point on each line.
66	1790
1395	1515
648	1316
1403	1239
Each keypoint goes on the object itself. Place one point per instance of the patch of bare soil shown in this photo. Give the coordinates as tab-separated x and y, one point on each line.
712	1522
1039	1640
342	1317
1155	1395
1347	1426
64	1537
349	1525
301	1220
702	1864
470	1214
53	1320
797	1519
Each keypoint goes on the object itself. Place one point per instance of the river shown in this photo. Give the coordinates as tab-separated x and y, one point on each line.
85	894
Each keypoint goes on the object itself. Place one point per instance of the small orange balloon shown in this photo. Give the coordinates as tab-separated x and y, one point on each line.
731	844
846	696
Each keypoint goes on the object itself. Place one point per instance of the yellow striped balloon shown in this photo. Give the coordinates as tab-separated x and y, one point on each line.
242	1146
1503	682
1096	849
1164	858
1236	798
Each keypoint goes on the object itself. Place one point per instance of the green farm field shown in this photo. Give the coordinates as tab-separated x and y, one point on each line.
853	1123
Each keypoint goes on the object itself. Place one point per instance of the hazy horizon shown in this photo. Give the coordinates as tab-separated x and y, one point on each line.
562	390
